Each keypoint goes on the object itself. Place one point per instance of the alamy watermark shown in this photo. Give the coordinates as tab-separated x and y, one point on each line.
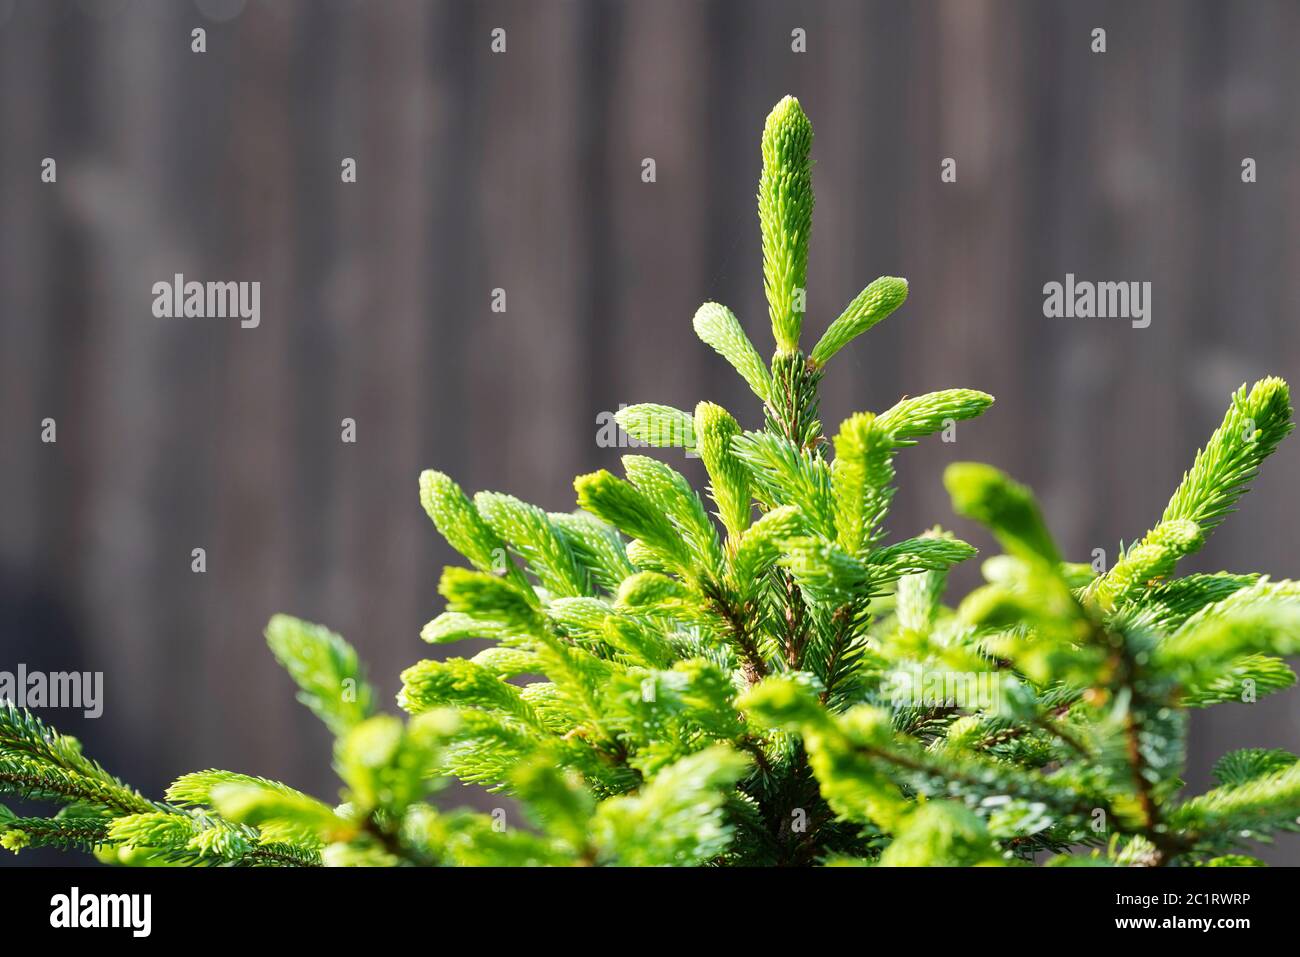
918	687
82	690
179	299
662	433
75	910
1082	299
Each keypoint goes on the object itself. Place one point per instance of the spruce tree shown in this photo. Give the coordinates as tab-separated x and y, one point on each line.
759	676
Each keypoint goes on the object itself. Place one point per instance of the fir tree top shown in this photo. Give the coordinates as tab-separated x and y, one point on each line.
762	676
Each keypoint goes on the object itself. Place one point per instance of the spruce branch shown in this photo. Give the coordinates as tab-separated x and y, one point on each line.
718	328
1005	507
728	475
911	418
793	405
325	668
785	204
72	833
869	307
1256	421
659	425
37	761
861	480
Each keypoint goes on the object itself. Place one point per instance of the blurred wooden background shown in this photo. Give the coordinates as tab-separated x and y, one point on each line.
522	171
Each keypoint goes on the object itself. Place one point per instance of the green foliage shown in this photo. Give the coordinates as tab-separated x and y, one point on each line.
658	425
784	685
785	205
728	475
870	306
325	668
1007	508
717	326
677	818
